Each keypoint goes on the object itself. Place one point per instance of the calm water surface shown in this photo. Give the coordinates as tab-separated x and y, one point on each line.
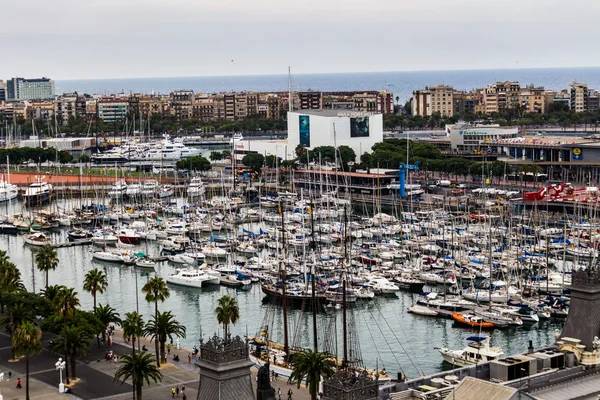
385	334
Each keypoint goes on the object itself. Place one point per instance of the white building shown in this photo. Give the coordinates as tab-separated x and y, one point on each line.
467	138
315	128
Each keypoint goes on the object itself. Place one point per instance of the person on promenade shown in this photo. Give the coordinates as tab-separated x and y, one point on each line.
172	391
177	390
183	389
290	393
169	348
19	383
190	358
278	393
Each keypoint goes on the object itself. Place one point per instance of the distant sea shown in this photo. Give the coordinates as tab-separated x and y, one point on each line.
402	84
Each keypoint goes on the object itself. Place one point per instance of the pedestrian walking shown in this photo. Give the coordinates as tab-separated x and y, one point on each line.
172	391
18	383
290	393
184	397
190	358
278	393
182	388
177	390
169	348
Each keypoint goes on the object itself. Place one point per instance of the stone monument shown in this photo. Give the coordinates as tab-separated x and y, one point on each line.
350	384
225	370
264	391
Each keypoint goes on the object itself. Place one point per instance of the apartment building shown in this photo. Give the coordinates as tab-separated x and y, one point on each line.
579	95
421	103
533	99
466	102
181	104
310	100
65	107
2	90
113	109
203	108
42	110
152	104
442	100
500	96
593	100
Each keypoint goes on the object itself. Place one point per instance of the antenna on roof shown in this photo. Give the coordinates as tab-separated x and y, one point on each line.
290	100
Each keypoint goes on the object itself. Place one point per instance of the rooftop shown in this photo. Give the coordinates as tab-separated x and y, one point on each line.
335	113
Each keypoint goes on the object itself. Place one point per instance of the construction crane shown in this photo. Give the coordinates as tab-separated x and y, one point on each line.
402	176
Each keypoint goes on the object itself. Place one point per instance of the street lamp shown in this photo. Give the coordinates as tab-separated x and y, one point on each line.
60	365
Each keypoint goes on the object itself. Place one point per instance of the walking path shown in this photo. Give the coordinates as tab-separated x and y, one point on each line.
96	374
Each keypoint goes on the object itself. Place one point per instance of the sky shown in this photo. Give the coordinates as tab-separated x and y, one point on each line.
96	39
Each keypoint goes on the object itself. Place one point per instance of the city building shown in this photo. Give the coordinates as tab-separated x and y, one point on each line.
593	100
442	100
579	96
65	107
181	103
2	90
421	103
29	89
473	139
533	99
113	109
310	100
43	110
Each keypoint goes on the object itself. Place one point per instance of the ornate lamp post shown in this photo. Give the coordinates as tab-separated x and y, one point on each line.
60	365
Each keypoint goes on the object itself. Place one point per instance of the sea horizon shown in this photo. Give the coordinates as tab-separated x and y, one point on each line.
401	83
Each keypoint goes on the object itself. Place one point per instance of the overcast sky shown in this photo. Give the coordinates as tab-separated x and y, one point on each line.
66	39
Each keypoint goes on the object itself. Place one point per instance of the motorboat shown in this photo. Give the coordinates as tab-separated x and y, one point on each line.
78	234
196	188
364	293
478	351
37	192
8	191
104	238
191	277
145	262
381	285
128	236
471	320
113	256
118	189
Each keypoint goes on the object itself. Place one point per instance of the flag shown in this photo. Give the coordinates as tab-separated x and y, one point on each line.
279	210
309	209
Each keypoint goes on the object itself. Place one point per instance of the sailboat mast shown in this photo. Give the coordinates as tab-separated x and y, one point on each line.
344	304
286	344
313	246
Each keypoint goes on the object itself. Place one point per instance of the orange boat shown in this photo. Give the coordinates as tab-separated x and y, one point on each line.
471	320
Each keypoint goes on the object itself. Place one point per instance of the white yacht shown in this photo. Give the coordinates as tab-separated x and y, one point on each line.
150	187
169	151
37	192
118	189
8	191
196	188
478	351
133	189
191	277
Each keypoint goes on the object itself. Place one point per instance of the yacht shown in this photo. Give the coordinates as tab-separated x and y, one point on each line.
196	188
133	189
478	351
191	277
112	156
118	189
168	151
150	188
8	191
37	192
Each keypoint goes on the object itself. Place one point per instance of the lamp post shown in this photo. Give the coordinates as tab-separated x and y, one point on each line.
60	365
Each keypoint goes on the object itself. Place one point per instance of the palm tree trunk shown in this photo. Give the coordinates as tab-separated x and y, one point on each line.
133	344
66	347
139	392
46	281
134	386
73	369
27	376
156	333
97	336
163	357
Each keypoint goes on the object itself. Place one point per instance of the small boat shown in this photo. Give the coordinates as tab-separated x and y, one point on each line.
191	277
471	320
145	262
128	236
78	234
112	256
37	239
478	351
103	238
422	310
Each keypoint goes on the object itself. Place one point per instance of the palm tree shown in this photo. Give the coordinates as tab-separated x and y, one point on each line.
78	339
107	315
27	340
156	290
311	365
10	280
52	291
133	327
227	312
162	327
46	259
65	303
139	367
18	314
95	282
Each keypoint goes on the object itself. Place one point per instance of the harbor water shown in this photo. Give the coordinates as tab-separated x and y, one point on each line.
382	332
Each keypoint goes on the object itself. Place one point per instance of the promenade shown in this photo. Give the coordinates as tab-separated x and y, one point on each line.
96	375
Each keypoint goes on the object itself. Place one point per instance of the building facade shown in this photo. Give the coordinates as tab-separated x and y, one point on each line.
29	89
467	138
113	109
579	95
2	90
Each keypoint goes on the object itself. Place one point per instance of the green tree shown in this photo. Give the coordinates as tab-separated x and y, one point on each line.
78	339
51	292
163	327
195	163
310	366
255	161
133	328
107	316
84	158
228	312
18	314
95	281
272	161
65	303
10	280
156	290
46	260
27	341
216	156
140	368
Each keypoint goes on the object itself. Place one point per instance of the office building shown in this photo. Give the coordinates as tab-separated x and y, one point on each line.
2	90
467	138
30	89
579	96
113	109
